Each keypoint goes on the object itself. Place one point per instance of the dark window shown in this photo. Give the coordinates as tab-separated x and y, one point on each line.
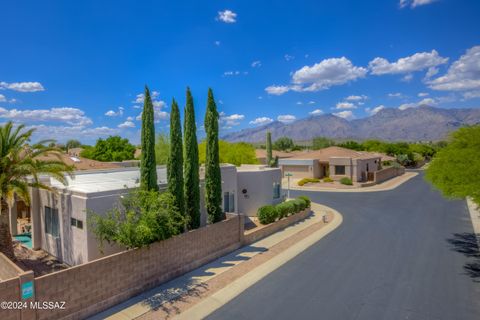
231	203
51	221
76	223
339	170
276	190
228	202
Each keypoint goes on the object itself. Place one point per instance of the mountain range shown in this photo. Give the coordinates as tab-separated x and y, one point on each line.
424	123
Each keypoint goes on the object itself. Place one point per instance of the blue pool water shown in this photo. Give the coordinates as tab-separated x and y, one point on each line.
25	239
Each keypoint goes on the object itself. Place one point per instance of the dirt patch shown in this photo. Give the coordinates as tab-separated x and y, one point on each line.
39	261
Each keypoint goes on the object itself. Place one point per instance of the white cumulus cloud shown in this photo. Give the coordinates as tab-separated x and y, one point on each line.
71	116
423	102
321	76
277	90
230	120
347	114
2	98
286	118
375	110
316	112
356	98
227	16
126	124
418	61
345	105
112	113
395	95
462	75
261	121
22	86
256	64
414	3
327	73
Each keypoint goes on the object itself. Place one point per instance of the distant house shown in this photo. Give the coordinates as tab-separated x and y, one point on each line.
261	155
75	152
58	220
334	162
74	159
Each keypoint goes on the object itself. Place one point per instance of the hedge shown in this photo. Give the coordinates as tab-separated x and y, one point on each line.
268	214
307	180
346	181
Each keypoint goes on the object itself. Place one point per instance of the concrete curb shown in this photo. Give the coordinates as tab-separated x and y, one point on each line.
474	211
223	296
377	188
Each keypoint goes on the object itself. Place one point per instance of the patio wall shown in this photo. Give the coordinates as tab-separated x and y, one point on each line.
387	173
11	280
95	286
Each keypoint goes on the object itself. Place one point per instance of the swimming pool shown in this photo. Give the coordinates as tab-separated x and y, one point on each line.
25	239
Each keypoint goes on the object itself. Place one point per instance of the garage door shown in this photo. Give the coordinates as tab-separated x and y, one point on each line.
298	171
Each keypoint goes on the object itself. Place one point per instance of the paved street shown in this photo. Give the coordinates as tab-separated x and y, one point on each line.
401	254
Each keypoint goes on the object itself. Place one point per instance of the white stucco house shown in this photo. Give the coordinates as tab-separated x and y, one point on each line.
58	219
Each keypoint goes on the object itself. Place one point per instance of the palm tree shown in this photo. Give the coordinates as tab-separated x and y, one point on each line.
21	165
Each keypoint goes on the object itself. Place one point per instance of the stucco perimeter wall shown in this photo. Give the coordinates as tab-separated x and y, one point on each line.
9	291
95	286
269	229
387	173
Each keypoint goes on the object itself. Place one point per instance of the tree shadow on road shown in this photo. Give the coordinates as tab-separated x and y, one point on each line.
466	243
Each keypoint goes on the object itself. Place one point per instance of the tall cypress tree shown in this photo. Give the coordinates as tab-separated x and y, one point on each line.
213	179
269	149
148	167
191	165
175	159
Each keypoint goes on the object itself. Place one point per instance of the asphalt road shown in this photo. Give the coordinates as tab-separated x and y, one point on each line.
401	254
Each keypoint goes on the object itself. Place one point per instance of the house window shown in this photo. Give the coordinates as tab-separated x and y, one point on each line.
51	221
339	170
228	202
76	223
276	190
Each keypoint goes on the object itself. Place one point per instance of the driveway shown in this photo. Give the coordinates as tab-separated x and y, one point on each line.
401	254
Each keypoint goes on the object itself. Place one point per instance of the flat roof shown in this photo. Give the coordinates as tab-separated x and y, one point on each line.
254	167
106	180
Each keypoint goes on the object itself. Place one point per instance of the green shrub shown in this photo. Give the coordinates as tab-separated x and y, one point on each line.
346	181
327	179
306	199
267	214
307	180
291	207
386	163
283	209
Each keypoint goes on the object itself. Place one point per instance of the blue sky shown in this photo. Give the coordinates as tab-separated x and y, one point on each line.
74	69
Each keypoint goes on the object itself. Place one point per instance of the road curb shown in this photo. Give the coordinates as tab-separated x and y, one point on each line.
374	188
474	211
223	296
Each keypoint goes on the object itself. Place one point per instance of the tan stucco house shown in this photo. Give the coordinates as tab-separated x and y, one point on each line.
58	221
334	162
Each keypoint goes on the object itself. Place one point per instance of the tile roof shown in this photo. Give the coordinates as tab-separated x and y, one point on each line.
325	154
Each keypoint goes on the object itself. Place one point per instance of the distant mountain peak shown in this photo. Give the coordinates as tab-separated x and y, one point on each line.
421	123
